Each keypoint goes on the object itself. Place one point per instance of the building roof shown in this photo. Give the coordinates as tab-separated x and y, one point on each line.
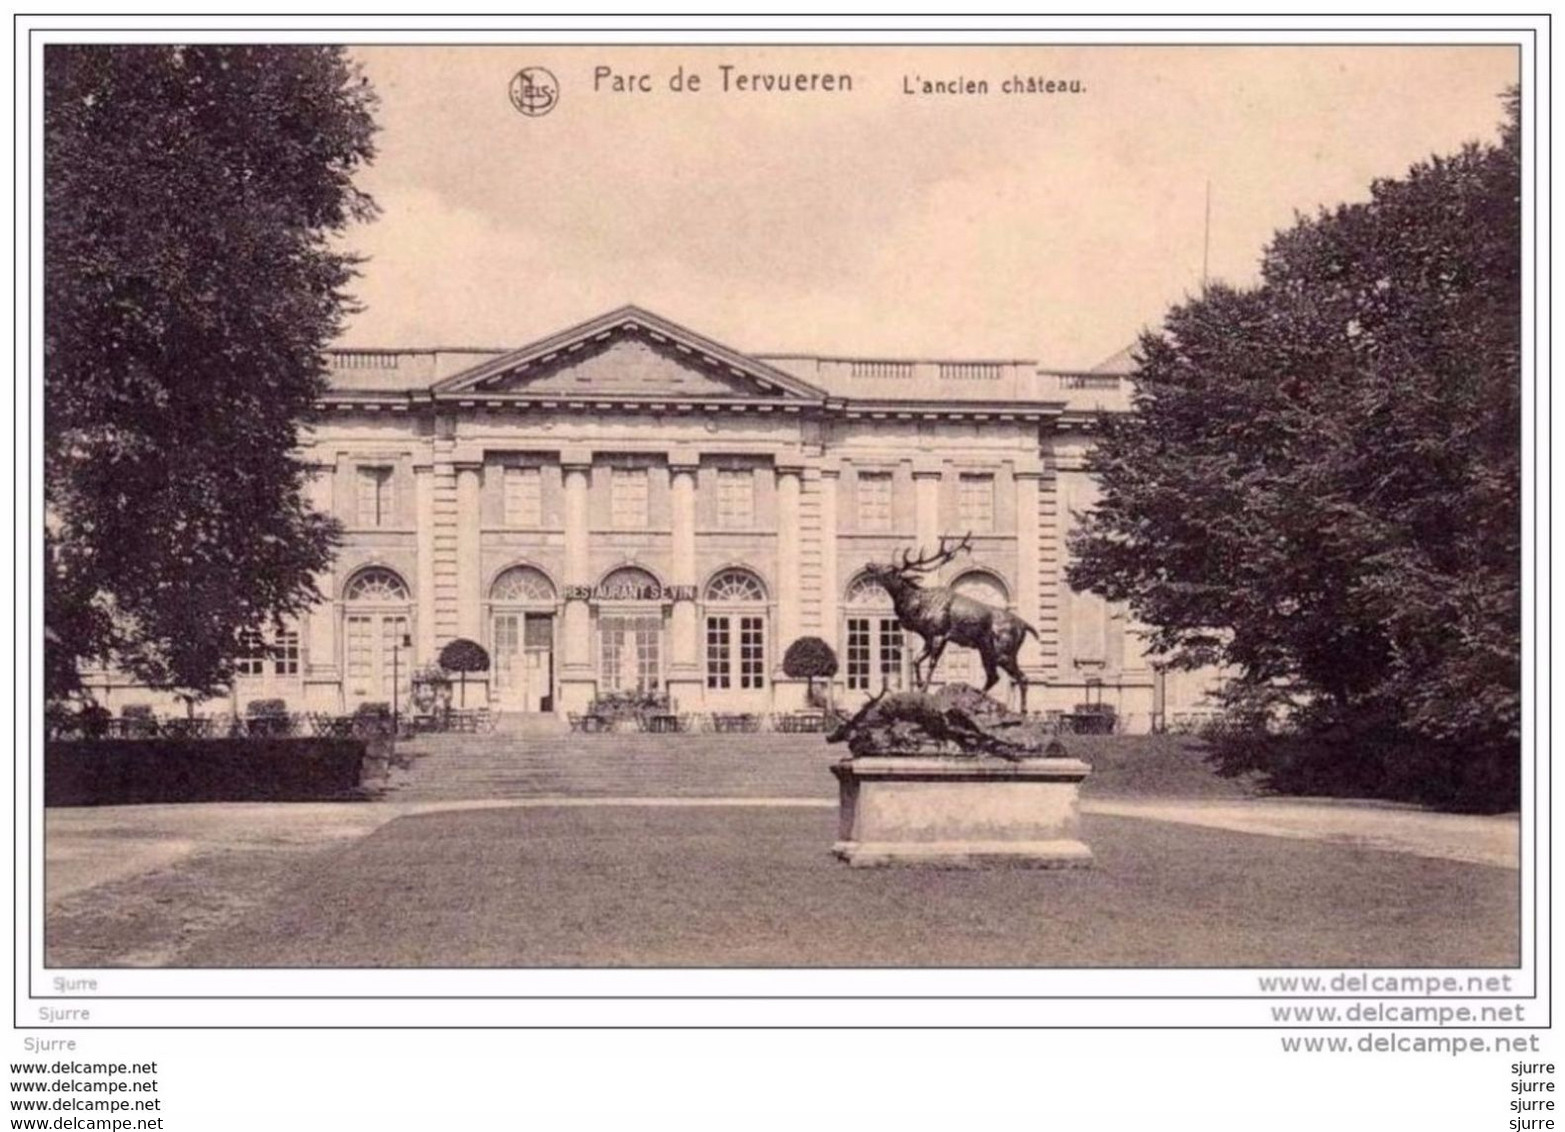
631	356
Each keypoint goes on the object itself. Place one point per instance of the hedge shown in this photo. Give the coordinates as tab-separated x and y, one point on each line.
111	772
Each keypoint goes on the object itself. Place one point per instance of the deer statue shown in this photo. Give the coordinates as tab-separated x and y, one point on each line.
941	616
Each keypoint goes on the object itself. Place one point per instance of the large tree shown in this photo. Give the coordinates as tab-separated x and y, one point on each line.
191	195
1320	484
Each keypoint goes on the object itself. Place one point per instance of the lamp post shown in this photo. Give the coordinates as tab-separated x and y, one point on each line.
399	642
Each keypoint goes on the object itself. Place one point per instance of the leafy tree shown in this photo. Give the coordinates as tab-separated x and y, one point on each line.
463	656
191	194
1320	484
808	658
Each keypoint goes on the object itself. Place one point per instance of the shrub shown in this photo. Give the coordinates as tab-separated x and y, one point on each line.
268	719
93	721
463	656
138	722
808	658
373	719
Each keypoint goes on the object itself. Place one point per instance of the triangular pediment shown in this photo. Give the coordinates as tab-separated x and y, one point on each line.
630	353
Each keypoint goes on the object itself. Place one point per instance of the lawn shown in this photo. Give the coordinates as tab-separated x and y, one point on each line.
721	886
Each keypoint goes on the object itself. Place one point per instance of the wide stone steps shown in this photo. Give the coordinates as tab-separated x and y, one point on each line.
637	765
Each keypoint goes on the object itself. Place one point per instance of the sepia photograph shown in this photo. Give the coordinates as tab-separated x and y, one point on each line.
781	506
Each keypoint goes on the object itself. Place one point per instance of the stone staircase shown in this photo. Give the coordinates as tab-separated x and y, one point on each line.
535	761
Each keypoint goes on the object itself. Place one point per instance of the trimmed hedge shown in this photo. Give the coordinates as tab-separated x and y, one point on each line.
112	772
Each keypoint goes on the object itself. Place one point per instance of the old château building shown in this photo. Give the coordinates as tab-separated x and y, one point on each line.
628	505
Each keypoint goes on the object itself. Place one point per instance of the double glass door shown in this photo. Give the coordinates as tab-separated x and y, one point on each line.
378	662
524	661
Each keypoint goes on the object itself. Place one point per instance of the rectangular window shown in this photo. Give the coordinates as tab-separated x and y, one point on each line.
736	499
858	653
523	498
718	652
285	653
628	499
874	498
375	501
975	503
752	653
252	655
890	653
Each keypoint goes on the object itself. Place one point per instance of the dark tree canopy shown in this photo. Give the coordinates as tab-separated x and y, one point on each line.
463	655
1320	484
191	194
808	658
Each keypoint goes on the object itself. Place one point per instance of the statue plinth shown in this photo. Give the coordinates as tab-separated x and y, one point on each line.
961	811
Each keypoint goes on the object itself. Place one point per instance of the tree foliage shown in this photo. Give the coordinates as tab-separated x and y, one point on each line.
191	194
463	655
808	658
1320	484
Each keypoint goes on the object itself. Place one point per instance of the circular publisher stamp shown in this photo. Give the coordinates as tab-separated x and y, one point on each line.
534	91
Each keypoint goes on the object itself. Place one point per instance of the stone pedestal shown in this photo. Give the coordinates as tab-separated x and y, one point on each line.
961	812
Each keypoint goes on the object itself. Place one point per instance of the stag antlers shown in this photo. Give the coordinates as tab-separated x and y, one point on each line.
924	563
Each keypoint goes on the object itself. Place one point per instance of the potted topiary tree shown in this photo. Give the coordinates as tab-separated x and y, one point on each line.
808	658
463	656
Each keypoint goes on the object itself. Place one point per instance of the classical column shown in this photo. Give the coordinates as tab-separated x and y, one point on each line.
926	498
788	560
683	632
577	629
1027	580
469	569
424	521
318	628
830	586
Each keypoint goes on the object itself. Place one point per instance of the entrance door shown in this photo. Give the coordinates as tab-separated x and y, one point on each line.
377	661
524	661
538	657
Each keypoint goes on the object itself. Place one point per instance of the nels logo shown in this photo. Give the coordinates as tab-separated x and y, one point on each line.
534	91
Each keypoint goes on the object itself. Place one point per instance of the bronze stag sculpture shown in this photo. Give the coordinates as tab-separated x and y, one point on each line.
941	616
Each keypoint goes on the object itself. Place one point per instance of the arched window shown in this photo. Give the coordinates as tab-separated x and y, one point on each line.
376	585
522	585
735	630
962	665
983	586
734	586
377	650
866	593
874	645
630	583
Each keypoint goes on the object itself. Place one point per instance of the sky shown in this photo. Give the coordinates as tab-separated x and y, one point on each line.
871	221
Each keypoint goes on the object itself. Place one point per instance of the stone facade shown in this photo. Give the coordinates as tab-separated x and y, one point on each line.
628	505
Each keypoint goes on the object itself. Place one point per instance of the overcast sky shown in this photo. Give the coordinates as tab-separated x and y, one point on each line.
870	221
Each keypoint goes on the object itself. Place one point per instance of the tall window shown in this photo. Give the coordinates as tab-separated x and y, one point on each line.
874	500
375	499
252	654
876	655
735	499
975	503
962	665
523	498
285	653
735	601
630	632
628	498
628	653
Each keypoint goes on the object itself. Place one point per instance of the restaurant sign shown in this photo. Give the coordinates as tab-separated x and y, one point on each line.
630	591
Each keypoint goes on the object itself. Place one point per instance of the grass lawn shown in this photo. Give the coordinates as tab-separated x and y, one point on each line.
721	886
